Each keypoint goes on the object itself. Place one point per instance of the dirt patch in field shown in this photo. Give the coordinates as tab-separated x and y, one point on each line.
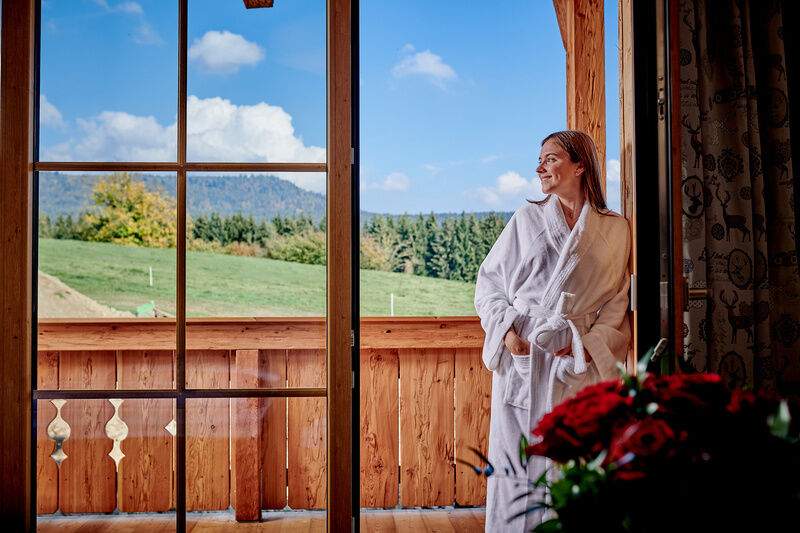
58	300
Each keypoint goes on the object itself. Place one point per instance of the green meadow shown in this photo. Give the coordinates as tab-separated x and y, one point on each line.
223	285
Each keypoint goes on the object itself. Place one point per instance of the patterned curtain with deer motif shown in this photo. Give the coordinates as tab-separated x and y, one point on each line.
738	193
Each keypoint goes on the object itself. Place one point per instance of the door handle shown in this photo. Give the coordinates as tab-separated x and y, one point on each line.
695	294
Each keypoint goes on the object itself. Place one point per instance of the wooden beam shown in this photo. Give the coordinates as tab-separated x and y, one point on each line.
16	233
678	281
254	333
627	152
561	7
339	274
250	4
581	23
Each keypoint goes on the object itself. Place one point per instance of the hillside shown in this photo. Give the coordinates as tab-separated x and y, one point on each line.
222	285
263	196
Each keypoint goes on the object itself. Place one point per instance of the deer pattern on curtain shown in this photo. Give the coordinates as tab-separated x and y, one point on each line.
738	202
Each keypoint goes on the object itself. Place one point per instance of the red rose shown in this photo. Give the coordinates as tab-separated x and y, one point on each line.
685	391
640	443
583	425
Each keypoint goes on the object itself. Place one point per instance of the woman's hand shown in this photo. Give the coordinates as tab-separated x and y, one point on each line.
567	352
515	344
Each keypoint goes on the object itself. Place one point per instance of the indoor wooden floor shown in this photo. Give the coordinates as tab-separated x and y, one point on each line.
397	520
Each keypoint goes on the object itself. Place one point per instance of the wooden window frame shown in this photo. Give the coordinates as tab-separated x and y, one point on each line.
19	62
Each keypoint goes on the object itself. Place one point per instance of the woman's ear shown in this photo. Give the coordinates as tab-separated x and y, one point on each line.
579	169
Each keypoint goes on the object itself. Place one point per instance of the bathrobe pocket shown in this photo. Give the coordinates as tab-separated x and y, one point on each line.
518	383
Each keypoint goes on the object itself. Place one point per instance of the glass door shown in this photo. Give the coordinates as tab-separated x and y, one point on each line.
185	272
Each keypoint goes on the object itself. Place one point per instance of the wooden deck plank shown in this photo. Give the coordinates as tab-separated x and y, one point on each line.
374	521
307	461
144	479
379	428
473	406
87	476
378	522
207	433
426	427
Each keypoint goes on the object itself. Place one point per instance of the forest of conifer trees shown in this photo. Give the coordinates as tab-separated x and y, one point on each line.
125	212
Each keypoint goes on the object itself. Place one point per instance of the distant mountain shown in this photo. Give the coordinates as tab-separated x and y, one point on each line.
262	196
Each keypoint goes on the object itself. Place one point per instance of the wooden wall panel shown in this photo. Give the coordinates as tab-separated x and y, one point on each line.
426	427
307	452
46	468
472	411
144	480
245	438
207	433
272	373
87	476
379	428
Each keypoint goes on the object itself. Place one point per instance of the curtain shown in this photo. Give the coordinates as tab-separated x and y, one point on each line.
739	233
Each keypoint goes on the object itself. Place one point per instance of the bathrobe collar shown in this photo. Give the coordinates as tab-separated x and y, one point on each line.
570	243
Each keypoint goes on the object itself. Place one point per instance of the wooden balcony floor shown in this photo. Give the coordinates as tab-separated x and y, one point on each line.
377	521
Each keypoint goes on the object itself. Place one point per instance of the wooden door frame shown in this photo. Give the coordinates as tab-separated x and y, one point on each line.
18	119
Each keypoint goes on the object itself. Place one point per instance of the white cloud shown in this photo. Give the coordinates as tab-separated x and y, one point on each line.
508	191
217	130
612	170
396	181
49	115
224	52
130	7
425	64
432	169
146	34
492	158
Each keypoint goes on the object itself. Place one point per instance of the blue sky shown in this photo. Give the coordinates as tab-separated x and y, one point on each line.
455	96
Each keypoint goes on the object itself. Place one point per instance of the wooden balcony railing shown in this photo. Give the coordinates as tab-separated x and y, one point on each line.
425	398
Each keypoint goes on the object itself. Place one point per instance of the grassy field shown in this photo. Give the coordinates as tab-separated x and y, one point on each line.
223	285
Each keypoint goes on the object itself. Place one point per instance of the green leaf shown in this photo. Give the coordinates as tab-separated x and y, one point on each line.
523	457
779	422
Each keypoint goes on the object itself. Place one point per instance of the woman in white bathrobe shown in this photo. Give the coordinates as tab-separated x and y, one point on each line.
552	296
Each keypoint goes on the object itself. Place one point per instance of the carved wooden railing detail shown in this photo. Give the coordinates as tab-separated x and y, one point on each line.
424	391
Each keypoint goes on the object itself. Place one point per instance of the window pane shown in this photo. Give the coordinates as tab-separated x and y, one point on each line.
107	279
256	82
108	81
101	456
255	277
235	445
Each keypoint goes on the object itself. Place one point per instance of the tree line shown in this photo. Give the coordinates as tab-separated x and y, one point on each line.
125	212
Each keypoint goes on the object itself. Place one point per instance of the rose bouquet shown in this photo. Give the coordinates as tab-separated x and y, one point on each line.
669	453
678	453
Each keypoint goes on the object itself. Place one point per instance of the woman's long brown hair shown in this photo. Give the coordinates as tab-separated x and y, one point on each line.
581	149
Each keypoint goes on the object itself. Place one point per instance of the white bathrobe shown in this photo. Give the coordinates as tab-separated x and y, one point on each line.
558	288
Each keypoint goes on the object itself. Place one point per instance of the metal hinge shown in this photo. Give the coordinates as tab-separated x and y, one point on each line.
664	294
634	289
352	339
352	156
352	379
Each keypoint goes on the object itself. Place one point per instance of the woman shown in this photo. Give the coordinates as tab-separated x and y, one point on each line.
552	295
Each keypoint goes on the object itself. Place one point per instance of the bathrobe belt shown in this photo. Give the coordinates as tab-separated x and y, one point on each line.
554	321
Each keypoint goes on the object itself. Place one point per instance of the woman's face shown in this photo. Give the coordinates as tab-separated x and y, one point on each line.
559	175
